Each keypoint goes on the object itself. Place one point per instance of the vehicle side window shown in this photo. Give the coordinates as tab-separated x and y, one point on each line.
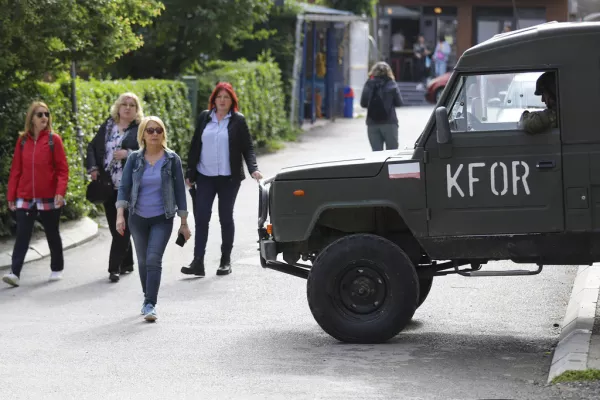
493	102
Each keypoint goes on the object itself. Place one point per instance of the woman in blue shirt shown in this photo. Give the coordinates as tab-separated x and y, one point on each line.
153	189
221	140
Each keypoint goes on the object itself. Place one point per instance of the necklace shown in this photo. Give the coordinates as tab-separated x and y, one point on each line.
153	160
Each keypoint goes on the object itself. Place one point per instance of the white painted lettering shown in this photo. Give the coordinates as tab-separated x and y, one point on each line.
523	178
451	180
472	179
493	178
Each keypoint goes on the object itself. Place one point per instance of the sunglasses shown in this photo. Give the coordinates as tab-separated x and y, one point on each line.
151	131
41	114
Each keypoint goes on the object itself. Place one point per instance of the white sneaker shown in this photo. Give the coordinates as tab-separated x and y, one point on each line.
11	279
55	276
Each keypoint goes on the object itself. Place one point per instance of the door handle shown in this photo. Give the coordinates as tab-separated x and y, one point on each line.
546	164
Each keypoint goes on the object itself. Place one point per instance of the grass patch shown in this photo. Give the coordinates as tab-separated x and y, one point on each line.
574	376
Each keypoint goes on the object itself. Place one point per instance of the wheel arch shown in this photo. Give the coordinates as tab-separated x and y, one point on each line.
321	211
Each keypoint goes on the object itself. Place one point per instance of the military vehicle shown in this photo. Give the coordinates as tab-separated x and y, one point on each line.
370	234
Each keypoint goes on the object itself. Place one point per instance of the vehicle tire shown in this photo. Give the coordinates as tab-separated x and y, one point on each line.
424	288
438	94
363	289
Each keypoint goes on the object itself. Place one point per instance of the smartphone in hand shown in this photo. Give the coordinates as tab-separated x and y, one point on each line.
180	240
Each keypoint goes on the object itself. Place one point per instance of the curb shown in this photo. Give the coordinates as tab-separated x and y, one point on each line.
572	350
73	233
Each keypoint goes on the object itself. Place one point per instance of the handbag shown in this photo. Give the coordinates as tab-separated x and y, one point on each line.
100	190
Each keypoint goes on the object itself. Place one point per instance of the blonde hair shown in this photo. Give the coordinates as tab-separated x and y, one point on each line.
142	129
114	109
29	117
382	69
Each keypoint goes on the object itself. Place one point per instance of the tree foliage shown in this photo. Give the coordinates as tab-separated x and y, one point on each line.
358	7
281	25
191	31
43	36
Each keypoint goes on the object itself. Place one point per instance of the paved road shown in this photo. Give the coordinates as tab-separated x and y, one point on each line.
251	334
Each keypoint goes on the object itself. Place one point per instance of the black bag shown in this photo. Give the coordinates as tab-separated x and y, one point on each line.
376	110
100	190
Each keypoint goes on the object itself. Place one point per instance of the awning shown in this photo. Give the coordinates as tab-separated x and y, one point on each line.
399	12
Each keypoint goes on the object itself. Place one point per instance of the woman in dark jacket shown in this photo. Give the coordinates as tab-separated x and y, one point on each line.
214	165
381	96
106	156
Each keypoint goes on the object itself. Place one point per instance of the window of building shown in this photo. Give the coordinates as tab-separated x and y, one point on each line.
490	21
493	102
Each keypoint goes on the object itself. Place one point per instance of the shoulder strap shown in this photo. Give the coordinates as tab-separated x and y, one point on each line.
50	141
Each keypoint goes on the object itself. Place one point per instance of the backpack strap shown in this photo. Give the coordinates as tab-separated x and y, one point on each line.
50	143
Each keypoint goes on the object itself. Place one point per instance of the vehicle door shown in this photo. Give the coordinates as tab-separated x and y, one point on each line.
493	177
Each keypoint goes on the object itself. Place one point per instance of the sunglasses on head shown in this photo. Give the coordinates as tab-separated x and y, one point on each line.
151	131
41	114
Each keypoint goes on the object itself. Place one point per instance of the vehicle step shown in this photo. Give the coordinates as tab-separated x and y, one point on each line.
512	272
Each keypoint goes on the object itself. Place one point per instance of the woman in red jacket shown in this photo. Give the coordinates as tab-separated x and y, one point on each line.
36	187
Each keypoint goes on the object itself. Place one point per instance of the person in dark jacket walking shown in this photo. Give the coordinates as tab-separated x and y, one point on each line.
381	96
214	165
36	187
106	155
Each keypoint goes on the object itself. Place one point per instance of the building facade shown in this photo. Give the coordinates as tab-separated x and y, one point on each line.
462	23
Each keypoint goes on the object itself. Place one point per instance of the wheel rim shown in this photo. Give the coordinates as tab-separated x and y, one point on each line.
362	289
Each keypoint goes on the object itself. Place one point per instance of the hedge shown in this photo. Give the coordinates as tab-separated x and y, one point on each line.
259	89
166	99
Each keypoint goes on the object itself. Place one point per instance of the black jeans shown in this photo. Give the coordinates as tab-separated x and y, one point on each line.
207	187
50	221
121	252
419	70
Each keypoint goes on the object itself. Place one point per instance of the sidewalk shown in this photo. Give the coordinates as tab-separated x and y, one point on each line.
73	233
579	343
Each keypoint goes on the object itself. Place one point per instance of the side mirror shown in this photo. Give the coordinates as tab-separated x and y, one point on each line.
443	132
442	125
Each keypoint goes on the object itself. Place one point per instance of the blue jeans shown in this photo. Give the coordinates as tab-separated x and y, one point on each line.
150	236
440	67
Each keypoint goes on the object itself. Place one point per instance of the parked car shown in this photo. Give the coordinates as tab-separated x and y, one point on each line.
435	87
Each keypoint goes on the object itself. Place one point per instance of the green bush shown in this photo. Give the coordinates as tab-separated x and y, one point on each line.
166	99
260	93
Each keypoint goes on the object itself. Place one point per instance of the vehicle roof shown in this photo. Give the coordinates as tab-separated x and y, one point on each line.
543	45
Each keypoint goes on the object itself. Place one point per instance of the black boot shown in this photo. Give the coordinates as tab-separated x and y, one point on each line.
224	266
195	268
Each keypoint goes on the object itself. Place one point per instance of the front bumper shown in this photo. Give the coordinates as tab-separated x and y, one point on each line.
266	243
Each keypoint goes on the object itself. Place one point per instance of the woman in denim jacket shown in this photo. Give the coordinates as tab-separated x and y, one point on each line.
153	189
